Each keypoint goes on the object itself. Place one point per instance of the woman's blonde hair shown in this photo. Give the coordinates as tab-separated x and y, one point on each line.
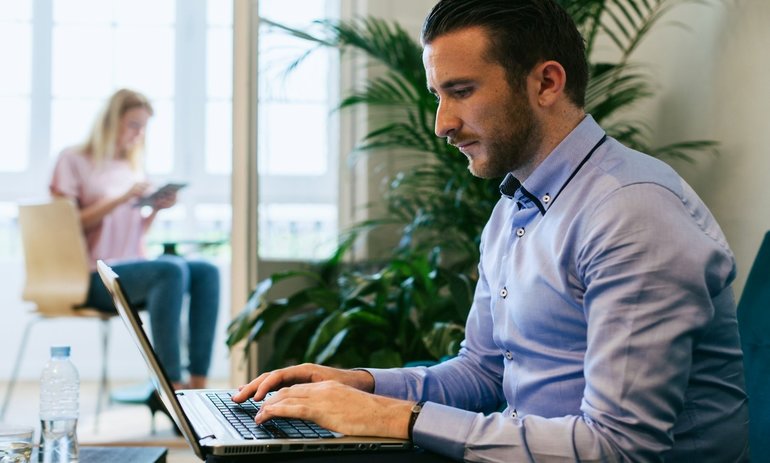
100	144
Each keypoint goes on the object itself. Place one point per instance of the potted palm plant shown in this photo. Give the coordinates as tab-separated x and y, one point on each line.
411	303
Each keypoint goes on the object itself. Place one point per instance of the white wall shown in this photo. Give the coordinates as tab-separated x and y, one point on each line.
713	80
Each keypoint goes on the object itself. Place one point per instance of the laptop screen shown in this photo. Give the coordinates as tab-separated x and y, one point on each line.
133	322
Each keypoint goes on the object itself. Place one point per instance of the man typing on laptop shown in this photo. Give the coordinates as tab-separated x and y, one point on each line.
603	317
214	424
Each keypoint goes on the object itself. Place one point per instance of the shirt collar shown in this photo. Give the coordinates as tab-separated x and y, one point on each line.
548	179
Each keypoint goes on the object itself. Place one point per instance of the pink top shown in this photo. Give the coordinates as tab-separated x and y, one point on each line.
120	235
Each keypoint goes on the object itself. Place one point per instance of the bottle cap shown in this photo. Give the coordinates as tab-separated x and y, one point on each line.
60	351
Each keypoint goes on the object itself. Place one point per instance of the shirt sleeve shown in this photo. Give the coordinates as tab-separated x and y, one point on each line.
66	179
471	381
652	270
656	269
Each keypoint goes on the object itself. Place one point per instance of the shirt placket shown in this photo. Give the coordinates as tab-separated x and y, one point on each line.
523	216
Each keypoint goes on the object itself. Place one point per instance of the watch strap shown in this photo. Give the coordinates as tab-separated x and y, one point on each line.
416	409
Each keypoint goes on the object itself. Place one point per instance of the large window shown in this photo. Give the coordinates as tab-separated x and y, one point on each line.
297	155
63	58
68	56
15	86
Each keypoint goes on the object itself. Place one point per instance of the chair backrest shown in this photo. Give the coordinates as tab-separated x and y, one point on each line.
754	326
55	257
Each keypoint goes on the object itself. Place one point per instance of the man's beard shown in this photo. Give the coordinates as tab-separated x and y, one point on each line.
515	147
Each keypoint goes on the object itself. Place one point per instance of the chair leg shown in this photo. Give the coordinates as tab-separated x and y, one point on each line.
15	371
103	381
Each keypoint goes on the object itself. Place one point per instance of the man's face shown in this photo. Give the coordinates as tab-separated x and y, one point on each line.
491	123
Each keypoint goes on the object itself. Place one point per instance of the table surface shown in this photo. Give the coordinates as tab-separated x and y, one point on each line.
411	456
111	454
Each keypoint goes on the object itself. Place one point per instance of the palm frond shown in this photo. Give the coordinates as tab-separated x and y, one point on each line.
615	90
685	150
632	133
386	42
388	90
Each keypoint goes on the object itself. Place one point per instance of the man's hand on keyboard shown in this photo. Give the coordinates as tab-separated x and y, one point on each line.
305	373
341	408
338	400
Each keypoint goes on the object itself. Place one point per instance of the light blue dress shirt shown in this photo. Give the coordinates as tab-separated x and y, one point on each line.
603	317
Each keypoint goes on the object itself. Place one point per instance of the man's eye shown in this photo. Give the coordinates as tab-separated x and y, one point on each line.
462	92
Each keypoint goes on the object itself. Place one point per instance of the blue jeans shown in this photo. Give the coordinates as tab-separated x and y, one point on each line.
159	287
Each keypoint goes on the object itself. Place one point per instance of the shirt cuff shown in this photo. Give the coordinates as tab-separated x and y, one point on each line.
439	428
389	382
443	429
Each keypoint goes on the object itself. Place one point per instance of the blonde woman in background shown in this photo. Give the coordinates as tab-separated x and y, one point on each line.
105	178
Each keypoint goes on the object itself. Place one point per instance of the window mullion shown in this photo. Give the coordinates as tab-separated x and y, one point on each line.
40	97
190	94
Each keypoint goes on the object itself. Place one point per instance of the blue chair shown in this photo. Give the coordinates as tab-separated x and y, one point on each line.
754	326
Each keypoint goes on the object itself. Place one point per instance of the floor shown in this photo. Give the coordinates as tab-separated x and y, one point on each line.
118	424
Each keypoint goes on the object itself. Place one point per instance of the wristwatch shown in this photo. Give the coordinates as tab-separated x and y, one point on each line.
416	409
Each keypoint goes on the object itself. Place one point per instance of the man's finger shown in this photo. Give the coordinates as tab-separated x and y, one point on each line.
282	378
247	390
286	408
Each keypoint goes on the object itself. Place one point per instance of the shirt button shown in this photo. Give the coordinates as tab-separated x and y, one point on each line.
508	355
520	232
503	292
546	198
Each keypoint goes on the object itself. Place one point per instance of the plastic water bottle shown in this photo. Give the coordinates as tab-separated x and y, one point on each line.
59	390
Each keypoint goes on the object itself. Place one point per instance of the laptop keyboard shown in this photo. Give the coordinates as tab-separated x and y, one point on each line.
241	416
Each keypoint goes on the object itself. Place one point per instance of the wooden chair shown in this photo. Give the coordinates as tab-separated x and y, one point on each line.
57	277
754	326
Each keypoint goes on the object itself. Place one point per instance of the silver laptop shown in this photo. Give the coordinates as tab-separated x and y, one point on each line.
215	425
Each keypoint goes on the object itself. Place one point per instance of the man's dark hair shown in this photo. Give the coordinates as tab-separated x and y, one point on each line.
522	33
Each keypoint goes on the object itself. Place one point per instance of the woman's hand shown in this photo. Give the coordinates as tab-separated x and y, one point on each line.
92	215
165	201
137	190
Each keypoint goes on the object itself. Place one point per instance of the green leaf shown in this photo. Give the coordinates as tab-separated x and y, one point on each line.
331	348
461	289
685	150
444	339
273	312
290	337
324	342
385	358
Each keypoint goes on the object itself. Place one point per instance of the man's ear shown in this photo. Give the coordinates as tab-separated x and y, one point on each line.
548	79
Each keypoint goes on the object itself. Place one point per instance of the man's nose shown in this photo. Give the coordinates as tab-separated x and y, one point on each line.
447	122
